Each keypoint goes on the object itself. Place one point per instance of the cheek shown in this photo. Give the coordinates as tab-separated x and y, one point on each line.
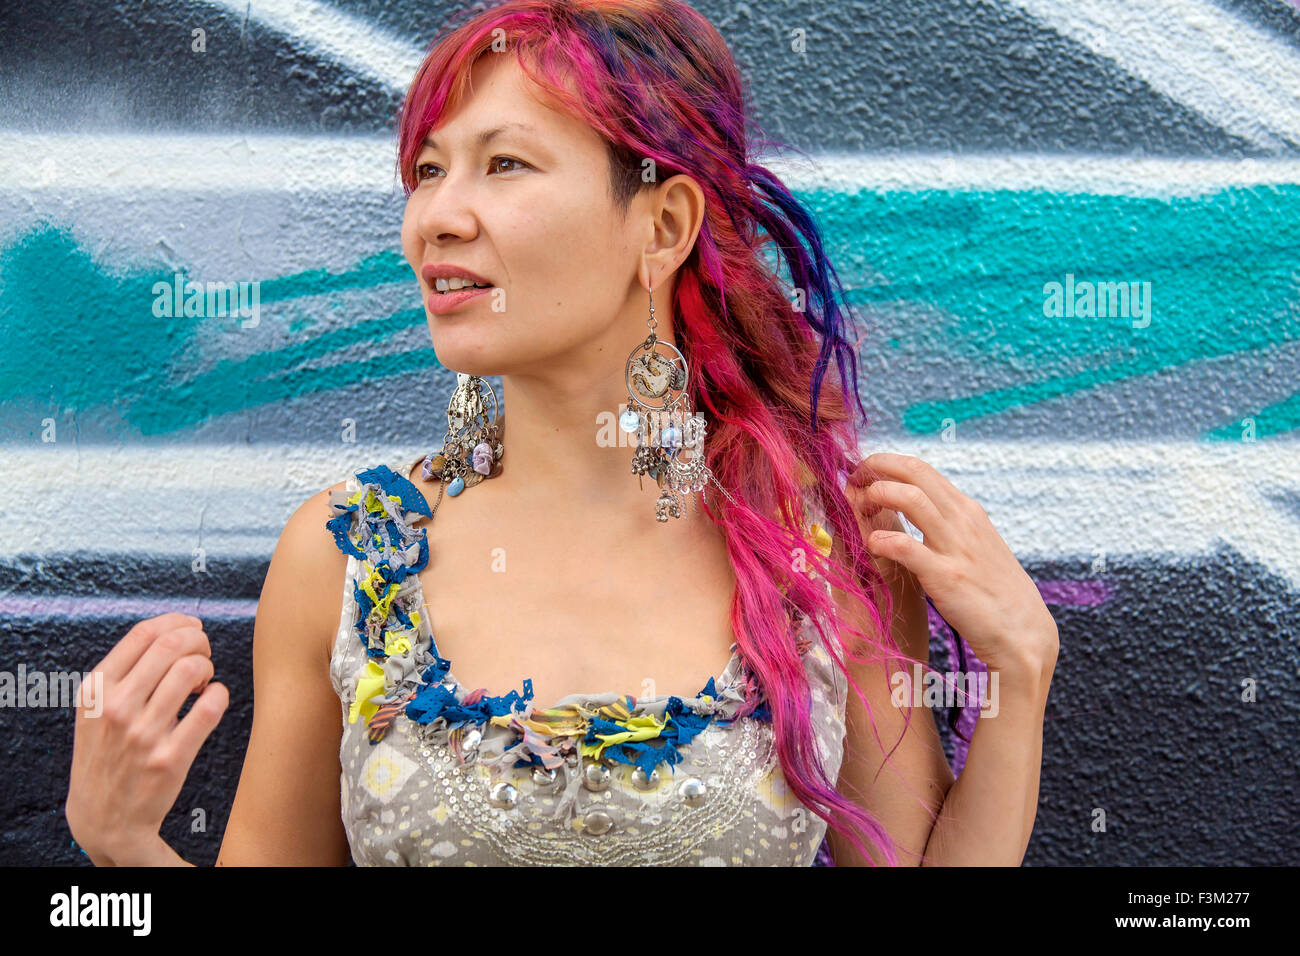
562	244
412	244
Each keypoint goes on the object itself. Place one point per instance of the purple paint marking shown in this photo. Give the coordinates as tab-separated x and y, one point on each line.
1085	593
135	608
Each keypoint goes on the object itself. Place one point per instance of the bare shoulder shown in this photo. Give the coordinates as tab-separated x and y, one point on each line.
312	564
286	808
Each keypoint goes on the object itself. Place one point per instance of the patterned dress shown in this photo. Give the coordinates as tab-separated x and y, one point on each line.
437	773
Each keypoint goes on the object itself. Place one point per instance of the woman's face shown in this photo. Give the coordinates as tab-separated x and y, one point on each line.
530	211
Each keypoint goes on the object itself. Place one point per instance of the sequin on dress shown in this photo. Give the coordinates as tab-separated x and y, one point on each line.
435	773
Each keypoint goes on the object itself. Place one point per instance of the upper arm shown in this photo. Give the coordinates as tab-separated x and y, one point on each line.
287	807
917	766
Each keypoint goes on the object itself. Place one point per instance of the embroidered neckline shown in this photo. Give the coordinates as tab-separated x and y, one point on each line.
405	675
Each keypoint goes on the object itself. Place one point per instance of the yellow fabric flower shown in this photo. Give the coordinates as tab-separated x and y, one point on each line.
644	727
368	685
822	540
383	603
567	721
373	504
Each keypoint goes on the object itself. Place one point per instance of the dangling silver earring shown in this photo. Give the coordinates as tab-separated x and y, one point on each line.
471	449
669	436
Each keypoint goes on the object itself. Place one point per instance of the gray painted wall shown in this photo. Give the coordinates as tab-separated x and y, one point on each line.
968	153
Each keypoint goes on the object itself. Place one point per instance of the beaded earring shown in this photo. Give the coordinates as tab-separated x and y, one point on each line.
471	449
669	436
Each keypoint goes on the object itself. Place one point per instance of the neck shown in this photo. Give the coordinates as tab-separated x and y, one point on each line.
563	447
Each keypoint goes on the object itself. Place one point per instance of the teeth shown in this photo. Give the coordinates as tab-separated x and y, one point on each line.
456	282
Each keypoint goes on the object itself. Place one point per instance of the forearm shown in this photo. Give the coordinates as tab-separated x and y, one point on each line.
988	814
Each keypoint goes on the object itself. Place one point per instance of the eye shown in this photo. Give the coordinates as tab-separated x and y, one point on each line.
508	159
421	167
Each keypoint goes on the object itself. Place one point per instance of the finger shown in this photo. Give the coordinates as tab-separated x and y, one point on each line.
187	737
916	506
902	548
863	475
945	495
138	686
187	676
128	651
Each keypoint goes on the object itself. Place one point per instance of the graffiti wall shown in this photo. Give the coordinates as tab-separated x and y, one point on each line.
1071	227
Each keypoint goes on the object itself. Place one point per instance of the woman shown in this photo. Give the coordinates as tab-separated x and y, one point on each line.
588	163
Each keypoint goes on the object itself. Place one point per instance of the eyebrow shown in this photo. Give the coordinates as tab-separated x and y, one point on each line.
486	136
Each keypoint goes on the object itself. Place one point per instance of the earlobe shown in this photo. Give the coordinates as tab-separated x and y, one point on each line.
644	277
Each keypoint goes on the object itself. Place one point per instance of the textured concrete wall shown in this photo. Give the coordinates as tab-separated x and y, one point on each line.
968	155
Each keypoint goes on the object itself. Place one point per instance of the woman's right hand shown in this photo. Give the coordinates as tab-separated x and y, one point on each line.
131	753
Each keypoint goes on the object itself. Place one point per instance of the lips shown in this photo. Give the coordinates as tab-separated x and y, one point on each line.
443	302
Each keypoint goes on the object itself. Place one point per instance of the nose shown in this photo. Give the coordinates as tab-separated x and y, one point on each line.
447	210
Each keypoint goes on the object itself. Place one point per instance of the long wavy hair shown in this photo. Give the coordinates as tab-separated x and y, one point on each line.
771	362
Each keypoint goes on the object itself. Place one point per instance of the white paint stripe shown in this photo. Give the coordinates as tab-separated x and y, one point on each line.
1240	78
1084	174
237	162
351	41
222	162
1046	499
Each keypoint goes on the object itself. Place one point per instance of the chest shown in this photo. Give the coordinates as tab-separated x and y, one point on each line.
583	613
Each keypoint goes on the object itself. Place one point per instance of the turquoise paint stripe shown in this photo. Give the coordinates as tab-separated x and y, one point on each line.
973	264
89	338
380	269
1272	420
266	377
1221	267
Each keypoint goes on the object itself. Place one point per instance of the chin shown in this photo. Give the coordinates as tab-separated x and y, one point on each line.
470	357
486	348
479	364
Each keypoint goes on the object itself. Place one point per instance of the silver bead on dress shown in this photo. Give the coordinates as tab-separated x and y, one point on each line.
595	776
597	822
693	792
543	777
643	782
503	796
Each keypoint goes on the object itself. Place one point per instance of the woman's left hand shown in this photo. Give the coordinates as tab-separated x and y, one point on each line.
963	564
